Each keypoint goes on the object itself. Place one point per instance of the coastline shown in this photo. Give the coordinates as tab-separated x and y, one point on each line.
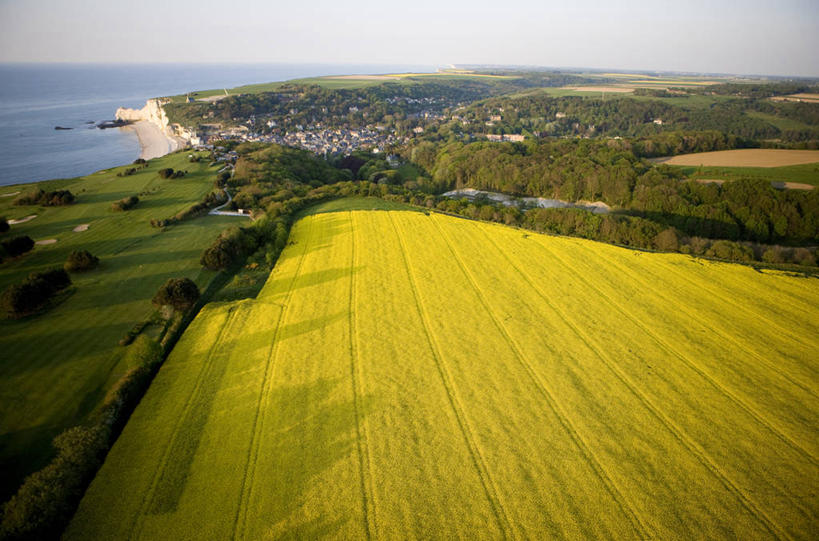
152	142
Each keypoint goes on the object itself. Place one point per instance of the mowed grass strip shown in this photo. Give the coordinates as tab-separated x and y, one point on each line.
404	375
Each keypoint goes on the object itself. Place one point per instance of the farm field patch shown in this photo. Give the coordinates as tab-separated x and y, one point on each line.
413	375
746	157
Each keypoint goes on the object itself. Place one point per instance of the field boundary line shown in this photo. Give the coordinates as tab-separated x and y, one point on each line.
596	465
138	523
702	372
362	430
246	490
679	434
489	487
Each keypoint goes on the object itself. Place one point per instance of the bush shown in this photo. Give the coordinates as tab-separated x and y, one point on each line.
80	260
47	199
18	245
181	293
128	172
227	249
140	161
170	173
20	300
126	203
4	224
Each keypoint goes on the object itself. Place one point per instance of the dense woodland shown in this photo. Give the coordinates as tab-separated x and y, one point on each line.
654	207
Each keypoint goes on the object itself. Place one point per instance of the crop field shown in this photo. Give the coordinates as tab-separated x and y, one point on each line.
413	375
807	174
747	157
56	367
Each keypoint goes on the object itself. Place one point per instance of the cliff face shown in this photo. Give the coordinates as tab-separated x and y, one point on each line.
155	114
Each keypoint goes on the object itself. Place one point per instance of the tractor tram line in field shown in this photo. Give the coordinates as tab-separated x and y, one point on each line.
479	462
686	441
150	495
248	477
362	430
404	374
617	494
695	367
738	402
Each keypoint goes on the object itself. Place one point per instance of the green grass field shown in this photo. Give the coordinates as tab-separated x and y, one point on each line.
56	367
803	174
404	375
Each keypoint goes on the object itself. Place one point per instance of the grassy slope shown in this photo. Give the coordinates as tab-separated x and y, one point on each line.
411	376
55	367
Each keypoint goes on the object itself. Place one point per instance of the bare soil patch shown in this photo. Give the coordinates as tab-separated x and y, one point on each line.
80	228
710	181
791	186
747	157
22	220
8	194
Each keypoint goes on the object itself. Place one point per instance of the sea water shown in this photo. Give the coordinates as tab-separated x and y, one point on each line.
35	98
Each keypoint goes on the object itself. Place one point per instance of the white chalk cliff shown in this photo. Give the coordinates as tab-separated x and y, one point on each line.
154	113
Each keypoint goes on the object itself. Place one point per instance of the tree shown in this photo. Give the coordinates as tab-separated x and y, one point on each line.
18	245
4	224
667	240
180	293
80	260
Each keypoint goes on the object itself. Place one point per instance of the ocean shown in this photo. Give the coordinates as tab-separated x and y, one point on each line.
34	98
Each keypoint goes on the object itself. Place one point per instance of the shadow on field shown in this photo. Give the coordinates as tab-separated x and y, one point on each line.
310	433
310	279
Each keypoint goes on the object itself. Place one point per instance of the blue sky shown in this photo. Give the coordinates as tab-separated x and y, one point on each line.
748	37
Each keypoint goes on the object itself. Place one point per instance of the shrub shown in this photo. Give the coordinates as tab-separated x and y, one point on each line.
227	249
139	161
128	172
126	203
4	224
20	300
181	293
166	172
48	199
18	245
80	260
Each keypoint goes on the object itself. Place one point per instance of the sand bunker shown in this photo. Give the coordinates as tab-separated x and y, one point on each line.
22	220
12	194
80	228
46	241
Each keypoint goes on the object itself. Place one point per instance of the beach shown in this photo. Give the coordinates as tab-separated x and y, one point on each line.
152	142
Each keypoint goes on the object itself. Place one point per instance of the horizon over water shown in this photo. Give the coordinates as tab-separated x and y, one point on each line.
34	98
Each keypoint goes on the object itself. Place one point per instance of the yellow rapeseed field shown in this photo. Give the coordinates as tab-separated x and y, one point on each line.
404	375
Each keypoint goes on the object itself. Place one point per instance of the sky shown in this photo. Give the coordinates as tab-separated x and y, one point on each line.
716	36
